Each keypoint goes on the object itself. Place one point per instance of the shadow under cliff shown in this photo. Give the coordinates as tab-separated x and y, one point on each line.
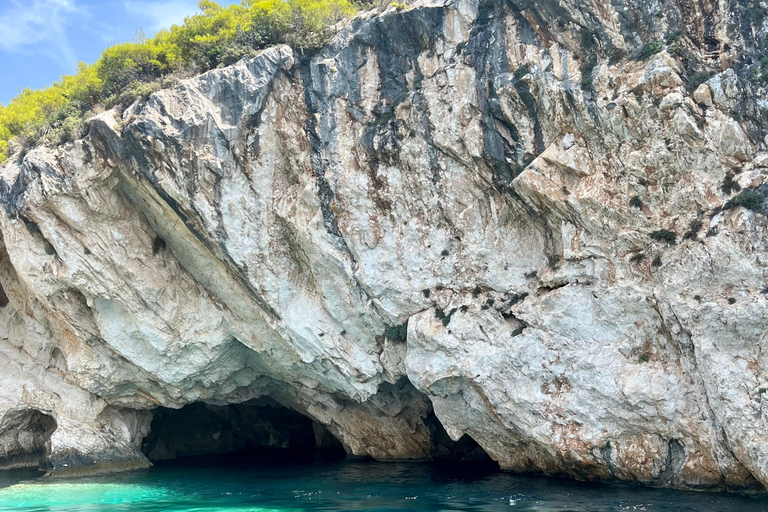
259	428
264	431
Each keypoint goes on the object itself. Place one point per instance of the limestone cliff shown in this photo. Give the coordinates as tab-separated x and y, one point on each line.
541	224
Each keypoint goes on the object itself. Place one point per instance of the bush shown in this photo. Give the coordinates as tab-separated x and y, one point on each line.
672	36
204	37
759	13
134	91
130	71
649	50
729	184
304	24
663	235
693	229
698	78
397	332
143	61
71	129
445	317
32	114
749	199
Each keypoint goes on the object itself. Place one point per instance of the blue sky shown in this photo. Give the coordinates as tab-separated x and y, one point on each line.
40	40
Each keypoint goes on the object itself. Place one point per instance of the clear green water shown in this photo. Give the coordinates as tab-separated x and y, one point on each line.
345	485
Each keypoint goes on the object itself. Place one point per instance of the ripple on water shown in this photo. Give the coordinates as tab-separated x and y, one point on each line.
349	485
62	494
47	496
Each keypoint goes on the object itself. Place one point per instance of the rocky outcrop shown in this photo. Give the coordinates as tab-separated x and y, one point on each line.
542	224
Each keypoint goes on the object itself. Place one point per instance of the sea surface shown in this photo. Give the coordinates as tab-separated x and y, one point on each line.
212	486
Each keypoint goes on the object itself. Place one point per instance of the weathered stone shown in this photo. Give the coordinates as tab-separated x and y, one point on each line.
703	95
555	224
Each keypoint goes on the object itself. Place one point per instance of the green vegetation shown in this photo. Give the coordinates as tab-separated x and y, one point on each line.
672	36
759	68
693	229
218	36
729	184
759	13
517	298
750	199
445	318
698	78
649	50
397	332
663	235
589	61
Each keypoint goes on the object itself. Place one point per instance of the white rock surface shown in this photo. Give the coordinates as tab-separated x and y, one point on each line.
256	230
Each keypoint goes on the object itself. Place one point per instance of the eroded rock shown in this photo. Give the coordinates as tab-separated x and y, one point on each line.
485	214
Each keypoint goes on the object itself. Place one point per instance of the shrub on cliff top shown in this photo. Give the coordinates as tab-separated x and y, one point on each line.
216	36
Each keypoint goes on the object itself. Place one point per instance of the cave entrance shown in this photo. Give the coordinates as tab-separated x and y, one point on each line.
256	429
464	450
25	437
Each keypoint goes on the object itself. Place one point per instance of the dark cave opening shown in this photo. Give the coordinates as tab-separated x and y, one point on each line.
25	438
3	297
464	450
264	429
251	430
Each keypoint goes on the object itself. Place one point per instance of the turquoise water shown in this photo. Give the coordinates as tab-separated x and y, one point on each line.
345	485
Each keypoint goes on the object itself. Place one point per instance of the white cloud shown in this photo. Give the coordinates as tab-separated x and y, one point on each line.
161	14
25	24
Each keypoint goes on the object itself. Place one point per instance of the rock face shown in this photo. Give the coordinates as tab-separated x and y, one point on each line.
541	223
